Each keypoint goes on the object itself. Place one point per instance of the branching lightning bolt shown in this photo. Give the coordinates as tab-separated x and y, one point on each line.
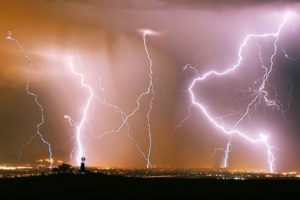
35	96
151	91
286	55
181	122
261	94
126	117
117	109
80	126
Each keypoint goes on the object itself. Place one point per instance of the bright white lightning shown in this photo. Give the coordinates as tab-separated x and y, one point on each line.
30	93
118	110
181	122
286	55
70	120
261	93
151	89
126	117
72	123
81	124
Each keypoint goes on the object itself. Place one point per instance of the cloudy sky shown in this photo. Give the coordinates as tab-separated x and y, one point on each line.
108	50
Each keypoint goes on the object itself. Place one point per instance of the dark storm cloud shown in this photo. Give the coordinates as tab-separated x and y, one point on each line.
191	4
129	4
103	32
223	3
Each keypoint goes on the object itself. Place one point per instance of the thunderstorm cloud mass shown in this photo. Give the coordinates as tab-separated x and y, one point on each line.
125	83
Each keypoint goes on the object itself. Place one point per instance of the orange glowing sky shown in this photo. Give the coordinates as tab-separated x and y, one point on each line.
104	37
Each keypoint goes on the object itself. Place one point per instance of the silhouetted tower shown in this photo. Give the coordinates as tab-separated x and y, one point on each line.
82	166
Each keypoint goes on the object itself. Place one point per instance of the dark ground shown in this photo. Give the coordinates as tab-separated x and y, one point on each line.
110	187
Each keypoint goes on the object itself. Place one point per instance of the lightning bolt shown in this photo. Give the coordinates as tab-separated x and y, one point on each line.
189	115
80	126
126	117
118	110
35	96
72	123
70	120
261	94
151	91
286	55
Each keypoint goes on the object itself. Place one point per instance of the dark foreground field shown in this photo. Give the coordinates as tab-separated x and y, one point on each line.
105	187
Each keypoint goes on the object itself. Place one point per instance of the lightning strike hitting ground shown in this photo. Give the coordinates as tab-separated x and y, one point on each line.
72	123
261	94
118	110
35	96
80	126
126	117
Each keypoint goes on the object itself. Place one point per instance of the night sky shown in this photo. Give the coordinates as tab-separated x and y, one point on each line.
104	39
